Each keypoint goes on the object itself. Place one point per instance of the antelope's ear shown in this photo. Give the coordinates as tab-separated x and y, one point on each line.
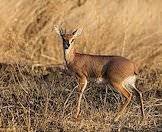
56	28
77	32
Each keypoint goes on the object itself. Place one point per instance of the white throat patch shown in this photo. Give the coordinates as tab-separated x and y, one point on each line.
69	53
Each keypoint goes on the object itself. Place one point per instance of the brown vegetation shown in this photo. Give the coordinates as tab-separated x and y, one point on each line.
44	100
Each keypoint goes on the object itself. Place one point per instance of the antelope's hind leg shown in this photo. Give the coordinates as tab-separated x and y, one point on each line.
82	86
141	102
126	89
120	88
130	84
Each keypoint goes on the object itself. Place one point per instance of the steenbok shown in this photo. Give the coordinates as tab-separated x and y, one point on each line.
117	71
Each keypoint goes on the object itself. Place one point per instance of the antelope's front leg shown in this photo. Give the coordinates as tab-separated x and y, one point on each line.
82	86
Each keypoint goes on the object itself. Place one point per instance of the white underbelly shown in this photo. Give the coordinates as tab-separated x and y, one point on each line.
129	83
100	80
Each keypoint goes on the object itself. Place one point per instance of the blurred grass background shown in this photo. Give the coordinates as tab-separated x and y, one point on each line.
122	27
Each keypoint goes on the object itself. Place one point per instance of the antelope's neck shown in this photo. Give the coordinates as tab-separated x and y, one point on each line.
70	54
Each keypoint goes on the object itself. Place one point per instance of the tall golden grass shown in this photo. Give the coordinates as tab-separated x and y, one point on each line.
128	28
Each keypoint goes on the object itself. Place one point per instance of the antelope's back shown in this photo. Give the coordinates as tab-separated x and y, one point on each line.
120	68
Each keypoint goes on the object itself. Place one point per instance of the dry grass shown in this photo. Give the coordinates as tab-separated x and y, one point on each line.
45	101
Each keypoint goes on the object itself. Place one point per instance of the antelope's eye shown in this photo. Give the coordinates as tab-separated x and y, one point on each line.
72	40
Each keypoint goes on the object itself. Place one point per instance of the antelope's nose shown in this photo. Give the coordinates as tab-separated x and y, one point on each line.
66	44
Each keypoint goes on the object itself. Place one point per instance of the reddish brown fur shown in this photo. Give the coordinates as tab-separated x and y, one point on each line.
68	37
114	70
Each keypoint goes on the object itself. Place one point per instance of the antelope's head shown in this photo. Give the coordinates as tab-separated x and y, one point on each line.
68	38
